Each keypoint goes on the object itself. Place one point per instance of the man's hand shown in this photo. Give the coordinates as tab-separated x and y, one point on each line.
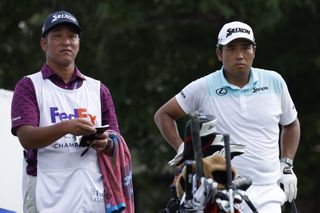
80	126
32	137
178	156
288	182
100	142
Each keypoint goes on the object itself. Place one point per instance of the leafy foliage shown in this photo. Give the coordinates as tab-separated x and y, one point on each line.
147	51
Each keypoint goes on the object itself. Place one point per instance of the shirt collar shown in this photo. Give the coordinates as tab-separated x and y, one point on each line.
47	73
252	79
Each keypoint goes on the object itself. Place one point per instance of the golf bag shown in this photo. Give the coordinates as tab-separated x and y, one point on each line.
205	181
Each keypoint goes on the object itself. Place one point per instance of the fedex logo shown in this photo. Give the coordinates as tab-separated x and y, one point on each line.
77	113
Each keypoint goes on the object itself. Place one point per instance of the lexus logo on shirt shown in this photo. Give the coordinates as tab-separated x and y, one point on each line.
221	91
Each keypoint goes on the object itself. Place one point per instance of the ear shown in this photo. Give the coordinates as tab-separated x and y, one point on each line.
219	54
254	50
44	44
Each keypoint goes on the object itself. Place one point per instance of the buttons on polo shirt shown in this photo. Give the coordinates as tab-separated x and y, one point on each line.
243	102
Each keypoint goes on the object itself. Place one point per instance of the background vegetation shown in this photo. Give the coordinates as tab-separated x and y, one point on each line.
147	51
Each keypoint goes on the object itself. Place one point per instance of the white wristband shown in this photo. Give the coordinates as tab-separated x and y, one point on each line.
287	161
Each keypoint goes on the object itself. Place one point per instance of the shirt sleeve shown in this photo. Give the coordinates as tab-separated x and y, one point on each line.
24	106
191	96
108	110
289	112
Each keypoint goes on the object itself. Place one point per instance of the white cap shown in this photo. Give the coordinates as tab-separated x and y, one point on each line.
234	30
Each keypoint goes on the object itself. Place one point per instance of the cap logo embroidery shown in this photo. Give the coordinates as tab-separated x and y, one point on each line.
237	30
59	16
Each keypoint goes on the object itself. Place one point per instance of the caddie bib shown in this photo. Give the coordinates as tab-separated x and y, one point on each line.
67	182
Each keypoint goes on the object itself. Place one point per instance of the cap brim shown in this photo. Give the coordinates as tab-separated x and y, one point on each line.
232	39
74	26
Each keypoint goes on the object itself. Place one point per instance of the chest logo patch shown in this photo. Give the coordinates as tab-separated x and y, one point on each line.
258	89
221	91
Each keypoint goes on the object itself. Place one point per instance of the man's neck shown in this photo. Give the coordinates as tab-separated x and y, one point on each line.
65	72
239	80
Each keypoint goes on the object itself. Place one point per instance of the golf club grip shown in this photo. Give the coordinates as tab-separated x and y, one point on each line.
250	204
294	207
242	183
196	142
226	139
189	180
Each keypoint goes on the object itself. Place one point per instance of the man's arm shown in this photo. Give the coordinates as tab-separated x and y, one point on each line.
108	110
165	118
32	137
290	137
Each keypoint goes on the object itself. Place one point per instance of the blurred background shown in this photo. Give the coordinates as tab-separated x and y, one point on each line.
146	51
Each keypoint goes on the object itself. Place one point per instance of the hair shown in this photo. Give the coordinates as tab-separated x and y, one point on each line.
221	46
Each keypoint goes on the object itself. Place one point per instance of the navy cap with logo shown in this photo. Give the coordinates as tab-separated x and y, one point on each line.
57	18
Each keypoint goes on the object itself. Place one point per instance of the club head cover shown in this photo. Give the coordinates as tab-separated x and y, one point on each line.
180	180
214	167
180	183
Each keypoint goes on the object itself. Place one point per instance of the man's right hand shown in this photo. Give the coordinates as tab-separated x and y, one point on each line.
178	156
32	137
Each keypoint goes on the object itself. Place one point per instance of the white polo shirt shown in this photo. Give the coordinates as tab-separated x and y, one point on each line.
250	115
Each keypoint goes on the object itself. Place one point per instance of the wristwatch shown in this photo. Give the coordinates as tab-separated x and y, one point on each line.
287	161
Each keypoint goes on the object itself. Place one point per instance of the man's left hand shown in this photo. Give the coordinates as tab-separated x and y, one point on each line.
288	182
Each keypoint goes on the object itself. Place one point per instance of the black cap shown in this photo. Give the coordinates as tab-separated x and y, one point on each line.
60	17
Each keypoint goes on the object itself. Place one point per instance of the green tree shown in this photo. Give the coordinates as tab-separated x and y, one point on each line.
147	51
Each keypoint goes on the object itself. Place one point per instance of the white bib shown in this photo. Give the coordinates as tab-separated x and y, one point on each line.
67	182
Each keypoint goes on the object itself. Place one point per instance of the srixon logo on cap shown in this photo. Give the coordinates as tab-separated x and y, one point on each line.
63	15
237	30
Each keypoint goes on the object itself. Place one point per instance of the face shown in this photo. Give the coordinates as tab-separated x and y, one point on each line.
61	46
237	57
